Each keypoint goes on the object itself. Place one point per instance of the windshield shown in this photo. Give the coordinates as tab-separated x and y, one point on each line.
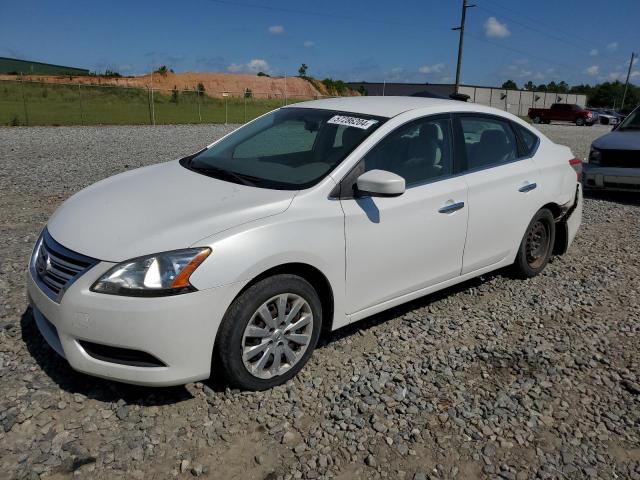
288	149
632	122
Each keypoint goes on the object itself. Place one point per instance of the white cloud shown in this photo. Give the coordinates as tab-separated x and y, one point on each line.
521	69
276	30
309	44
494	29
592	71
594	52
436	68
253	66
622	75
612	46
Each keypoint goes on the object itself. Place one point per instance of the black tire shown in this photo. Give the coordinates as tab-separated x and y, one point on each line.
537	119
536	246
228	350
580	121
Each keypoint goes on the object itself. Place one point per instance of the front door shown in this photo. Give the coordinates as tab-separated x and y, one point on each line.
395	246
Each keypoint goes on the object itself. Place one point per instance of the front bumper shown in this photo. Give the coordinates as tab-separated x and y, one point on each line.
179	330
611	178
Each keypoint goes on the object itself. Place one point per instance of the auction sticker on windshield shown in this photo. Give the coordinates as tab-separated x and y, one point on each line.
351	121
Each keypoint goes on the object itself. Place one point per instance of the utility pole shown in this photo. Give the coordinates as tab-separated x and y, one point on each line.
461	41
626	84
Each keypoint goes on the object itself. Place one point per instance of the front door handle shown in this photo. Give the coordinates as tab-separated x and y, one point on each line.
528	187
451	207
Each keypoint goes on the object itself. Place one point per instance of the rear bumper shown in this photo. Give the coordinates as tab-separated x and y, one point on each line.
178	331
611	178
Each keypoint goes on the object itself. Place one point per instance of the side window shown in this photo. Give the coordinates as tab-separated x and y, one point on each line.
419	151
488	141
288	137
529	139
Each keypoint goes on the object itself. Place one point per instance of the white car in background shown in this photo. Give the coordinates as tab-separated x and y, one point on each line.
309	218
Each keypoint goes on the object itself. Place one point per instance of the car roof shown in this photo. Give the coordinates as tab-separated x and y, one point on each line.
380	106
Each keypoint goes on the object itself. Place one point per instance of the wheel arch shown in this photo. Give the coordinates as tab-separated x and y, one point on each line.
562	232
311	274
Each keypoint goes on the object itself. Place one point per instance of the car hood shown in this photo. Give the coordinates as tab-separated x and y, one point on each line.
619	141
155	209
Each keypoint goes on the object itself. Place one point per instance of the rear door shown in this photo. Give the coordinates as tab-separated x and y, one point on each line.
503	189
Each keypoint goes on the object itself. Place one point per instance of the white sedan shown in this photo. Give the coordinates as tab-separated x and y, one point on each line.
234	259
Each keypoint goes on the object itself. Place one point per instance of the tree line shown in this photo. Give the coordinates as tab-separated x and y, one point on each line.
607	94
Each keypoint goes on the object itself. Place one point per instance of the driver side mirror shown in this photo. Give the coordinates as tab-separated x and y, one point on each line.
380	183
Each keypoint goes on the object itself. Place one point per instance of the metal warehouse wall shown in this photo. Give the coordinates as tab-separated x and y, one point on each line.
26	67
517	102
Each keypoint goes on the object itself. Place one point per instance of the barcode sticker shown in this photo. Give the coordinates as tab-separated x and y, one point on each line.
356	122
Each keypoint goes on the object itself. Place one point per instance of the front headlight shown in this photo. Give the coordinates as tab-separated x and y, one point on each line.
153	275
595	156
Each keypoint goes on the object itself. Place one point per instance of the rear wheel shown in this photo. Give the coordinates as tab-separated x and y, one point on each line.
579	121
536	245
268	333
537	119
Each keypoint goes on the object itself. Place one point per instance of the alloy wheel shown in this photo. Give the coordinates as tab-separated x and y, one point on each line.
277	336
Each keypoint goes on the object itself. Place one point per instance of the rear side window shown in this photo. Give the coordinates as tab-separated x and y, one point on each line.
488	142
529	140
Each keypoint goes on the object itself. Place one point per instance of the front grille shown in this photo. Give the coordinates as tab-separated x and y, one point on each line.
55	267
620	158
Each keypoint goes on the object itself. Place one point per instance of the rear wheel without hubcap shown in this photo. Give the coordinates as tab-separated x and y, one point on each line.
536	245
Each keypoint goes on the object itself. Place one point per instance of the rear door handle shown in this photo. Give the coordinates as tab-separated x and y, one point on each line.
528	187
451	207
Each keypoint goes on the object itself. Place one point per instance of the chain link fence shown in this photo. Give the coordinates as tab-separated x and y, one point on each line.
25	102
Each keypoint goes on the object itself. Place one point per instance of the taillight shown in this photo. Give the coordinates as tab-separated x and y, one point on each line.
576	164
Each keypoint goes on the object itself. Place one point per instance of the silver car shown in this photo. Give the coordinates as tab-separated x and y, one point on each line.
614	159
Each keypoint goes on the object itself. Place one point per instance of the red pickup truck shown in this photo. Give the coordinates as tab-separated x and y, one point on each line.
565	112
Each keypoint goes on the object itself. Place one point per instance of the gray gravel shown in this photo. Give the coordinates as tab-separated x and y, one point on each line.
495	378
577	138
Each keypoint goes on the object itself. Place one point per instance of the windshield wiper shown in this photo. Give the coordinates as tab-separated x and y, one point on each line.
228	174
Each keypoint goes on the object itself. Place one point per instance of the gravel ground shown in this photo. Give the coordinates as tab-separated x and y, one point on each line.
495	378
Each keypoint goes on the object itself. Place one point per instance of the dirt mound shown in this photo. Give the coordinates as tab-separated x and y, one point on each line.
215	84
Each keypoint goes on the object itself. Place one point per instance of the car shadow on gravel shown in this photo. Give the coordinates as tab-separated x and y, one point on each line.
58	370
624	198
329	337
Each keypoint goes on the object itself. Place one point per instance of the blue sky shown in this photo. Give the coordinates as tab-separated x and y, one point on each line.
405	40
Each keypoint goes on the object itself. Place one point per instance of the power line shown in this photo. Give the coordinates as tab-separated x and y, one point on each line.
556	35
522	52
324	14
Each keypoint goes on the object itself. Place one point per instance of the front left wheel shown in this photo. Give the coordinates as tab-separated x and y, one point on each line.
268	332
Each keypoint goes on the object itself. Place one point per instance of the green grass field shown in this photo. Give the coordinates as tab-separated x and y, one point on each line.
52	104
